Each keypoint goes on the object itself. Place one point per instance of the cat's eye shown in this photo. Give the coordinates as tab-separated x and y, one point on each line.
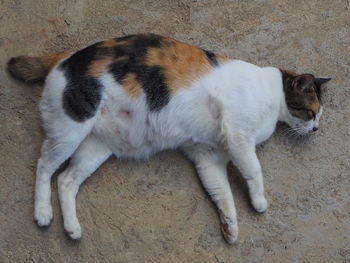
313	115
306	113
297	108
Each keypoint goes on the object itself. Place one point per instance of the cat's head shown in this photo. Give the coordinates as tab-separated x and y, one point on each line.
303	100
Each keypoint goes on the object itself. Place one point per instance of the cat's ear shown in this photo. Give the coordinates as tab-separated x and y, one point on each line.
321	81
303	81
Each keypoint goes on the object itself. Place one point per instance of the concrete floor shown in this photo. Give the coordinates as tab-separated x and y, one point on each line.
157	211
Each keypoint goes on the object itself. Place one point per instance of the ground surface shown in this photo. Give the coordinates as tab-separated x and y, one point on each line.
157	211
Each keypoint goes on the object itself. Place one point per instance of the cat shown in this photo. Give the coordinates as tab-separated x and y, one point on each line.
136	95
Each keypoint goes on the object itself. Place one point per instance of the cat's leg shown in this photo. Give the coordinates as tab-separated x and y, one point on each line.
244	156
60	143
211	167
88	157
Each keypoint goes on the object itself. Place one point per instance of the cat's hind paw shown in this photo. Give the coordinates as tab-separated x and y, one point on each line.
229	228
43	215
230	232
73	229
260	204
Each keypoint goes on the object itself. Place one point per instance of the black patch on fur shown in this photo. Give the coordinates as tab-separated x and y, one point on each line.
81	98
82	94
119	70
211	58
120	51
151	78
154	84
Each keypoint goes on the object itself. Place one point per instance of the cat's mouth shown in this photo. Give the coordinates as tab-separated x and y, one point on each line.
303	128
299	130
302	131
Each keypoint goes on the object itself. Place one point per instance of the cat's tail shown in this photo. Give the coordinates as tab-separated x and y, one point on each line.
34	69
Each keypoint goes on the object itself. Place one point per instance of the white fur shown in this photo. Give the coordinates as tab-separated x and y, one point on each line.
220	117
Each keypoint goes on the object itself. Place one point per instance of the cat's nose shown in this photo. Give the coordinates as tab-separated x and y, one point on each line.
314	129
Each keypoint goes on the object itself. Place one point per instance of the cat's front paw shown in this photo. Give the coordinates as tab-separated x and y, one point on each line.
260	204
230	233
43	214
229	229
73	229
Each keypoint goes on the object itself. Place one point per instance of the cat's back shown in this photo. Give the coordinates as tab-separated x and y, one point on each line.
148	65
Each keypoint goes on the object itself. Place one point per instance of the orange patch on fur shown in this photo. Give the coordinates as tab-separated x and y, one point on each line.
222	59
99	67
181	63
51	60
108	43
112	43
131	85
315	106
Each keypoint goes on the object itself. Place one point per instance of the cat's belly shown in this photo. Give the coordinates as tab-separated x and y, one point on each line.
265	131
129	144
132	130
135	135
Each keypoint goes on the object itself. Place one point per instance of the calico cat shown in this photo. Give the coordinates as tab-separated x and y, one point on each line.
136	95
